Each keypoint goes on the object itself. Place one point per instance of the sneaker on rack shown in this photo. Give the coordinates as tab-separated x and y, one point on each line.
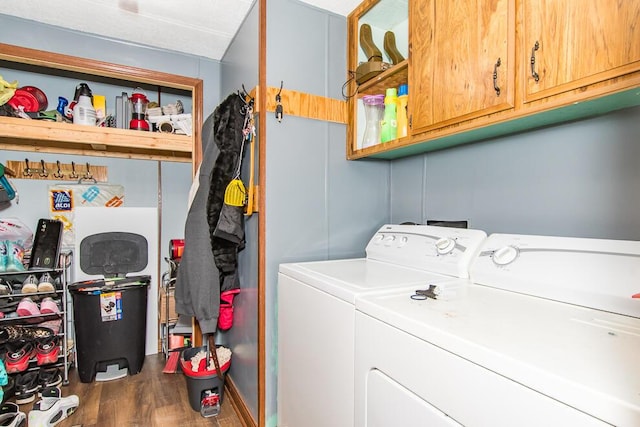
54	325
5	287
49	378
47	350
10	415
27	308
30	285
17	360
49	306
46	283
9	390
26	387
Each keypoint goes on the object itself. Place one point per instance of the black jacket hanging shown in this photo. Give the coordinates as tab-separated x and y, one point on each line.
228	136
207	262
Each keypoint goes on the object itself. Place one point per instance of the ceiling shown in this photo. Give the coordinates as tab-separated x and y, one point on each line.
199	27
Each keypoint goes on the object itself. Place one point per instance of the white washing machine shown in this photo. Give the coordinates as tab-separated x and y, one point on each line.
547	334
316	313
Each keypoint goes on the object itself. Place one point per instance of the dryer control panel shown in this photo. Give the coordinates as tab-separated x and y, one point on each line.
597	273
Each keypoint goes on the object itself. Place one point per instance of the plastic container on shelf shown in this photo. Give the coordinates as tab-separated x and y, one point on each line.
374	112
83	112
403	122
390	120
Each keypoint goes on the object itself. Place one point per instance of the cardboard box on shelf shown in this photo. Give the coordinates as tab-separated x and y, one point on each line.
162	307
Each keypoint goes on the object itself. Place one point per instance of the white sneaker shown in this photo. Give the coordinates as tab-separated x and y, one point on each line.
11	416
52	408
30	285
46	283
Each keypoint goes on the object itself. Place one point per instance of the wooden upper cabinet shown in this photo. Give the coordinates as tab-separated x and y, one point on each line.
572	44
478	69
461	60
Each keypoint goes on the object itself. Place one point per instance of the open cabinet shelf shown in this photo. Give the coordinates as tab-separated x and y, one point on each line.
66	138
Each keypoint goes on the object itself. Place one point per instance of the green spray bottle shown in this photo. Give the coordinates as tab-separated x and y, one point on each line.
390	121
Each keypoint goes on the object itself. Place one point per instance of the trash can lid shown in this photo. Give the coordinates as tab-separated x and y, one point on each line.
113	254
107	285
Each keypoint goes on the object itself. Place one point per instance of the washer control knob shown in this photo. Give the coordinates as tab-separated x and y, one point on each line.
445	245
387	240
403	241
505	255
377	239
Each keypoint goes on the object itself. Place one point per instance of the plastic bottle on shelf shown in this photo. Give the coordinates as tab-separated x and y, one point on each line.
374	112
390	120
403	123
83	111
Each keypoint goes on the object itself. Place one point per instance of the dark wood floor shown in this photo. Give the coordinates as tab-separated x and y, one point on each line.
150	399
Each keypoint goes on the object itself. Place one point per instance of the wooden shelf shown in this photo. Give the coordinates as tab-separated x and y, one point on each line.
391	77
35	135
64	138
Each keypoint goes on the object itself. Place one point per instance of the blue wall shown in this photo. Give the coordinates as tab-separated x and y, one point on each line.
318	205
576	179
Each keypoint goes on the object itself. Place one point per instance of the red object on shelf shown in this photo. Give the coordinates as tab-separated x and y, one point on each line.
43	102
25	99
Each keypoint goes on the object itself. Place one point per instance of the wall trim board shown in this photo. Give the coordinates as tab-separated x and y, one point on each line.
262	222
238	403
301	104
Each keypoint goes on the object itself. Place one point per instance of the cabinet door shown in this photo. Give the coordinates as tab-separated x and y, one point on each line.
578	43
456	48
421	60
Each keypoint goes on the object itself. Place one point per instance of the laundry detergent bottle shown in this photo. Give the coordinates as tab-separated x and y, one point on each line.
403	125
389	130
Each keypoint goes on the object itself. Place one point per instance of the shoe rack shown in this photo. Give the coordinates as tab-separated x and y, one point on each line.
43	313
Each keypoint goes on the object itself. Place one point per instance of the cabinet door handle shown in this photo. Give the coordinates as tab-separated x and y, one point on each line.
495	77
535	75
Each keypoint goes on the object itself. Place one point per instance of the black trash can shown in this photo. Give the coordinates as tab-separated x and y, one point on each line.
110	315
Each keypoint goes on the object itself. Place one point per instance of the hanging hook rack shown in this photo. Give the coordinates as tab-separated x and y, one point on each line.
57	170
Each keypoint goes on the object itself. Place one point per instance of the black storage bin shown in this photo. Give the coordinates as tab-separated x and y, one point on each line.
110	314
202	382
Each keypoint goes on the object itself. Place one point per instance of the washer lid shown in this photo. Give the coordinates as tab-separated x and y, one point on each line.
347	278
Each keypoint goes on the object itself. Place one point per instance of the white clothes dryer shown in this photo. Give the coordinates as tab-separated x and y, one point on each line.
316	313
546	334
